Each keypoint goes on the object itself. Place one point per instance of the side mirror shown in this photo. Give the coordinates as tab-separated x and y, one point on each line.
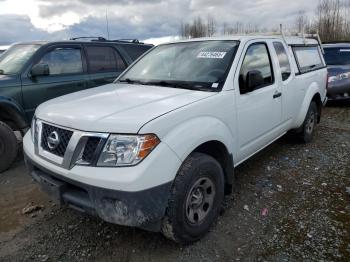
254	79
40	70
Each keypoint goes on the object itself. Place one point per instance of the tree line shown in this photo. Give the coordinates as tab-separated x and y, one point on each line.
331	20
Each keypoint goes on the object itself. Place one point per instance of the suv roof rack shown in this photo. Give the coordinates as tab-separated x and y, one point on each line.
93	38
129	40
102	39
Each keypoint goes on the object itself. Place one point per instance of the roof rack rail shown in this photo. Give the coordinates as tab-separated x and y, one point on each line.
102	39
98	38
129	40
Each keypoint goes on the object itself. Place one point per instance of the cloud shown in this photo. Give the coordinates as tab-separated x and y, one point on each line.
14	27
142	19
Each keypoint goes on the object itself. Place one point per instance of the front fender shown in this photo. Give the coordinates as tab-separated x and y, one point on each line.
192	133
310	93
12	113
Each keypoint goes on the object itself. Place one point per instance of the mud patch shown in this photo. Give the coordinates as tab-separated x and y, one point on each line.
17	190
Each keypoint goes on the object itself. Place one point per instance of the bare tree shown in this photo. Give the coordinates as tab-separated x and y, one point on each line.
198	28
332	20
211	27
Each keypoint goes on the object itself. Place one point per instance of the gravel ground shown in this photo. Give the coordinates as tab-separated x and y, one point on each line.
290	203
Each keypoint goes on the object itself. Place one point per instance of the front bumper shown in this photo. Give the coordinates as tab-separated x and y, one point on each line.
339	90
143	209
133	196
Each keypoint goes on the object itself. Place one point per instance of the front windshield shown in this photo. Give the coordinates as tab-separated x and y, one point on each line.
193	65
13	60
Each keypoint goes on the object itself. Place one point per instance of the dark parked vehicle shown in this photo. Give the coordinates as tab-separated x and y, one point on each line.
337	56
32	73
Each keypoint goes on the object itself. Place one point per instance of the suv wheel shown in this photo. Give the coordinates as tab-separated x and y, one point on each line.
309	124
196	199
8	146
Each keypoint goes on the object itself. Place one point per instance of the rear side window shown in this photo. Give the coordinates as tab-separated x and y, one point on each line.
308	58
63	61
256	62
135	51
337	56
104	59
283	60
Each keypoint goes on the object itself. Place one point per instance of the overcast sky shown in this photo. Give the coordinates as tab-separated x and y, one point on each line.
23	20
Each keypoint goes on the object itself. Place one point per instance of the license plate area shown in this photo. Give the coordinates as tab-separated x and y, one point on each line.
50	185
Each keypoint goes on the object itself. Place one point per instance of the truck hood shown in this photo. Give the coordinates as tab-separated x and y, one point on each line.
116	108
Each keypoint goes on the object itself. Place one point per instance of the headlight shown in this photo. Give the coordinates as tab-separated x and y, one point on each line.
126	150
339	77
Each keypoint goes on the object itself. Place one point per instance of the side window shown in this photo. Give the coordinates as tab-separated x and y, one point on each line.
135	51
63	61
104	59
308	58
120	62
256	70
283	60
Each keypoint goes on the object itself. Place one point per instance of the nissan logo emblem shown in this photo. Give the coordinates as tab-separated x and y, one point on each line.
53	140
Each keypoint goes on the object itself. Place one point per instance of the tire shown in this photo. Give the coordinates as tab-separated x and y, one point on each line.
307	131
8	147
196	199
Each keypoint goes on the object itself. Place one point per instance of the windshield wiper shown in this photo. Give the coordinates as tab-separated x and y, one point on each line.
131	81
165	83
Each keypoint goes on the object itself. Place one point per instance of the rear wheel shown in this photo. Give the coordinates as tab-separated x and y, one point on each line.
196	199
308	127
8	146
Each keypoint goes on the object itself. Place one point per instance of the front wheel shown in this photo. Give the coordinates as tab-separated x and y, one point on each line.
196	199
8	146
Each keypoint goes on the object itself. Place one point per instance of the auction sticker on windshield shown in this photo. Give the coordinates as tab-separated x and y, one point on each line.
217	55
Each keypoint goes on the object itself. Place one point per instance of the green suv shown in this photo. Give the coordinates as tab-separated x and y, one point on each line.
32	73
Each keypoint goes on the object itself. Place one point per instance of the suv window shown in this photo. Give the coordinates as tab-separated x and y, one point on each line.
308	58
104	59
135	51
63	61
256	61
283	60
337	56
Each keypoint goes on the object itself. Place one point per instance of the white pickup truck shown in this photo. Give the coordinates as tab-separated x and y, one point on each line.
157	148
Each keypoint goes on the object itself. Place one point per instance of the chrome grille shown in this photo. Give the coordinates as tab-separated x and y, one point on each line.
75	147
64	137
90	149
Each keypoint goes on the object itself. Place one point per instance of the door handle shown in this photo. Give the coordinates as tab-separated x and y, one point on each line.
277	94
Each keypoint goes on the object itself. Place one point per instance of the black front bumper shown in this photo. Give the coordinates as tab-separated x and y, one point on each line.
143	209
339	90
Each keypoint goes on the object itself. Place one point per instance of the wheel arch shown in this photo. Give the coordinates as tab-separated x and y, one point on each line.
219	152
317	99
207	135
12	114
312	95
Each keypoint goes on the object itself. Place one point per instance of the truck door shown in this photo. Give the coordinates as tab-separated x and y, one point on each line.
258	99
292	98
66	74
